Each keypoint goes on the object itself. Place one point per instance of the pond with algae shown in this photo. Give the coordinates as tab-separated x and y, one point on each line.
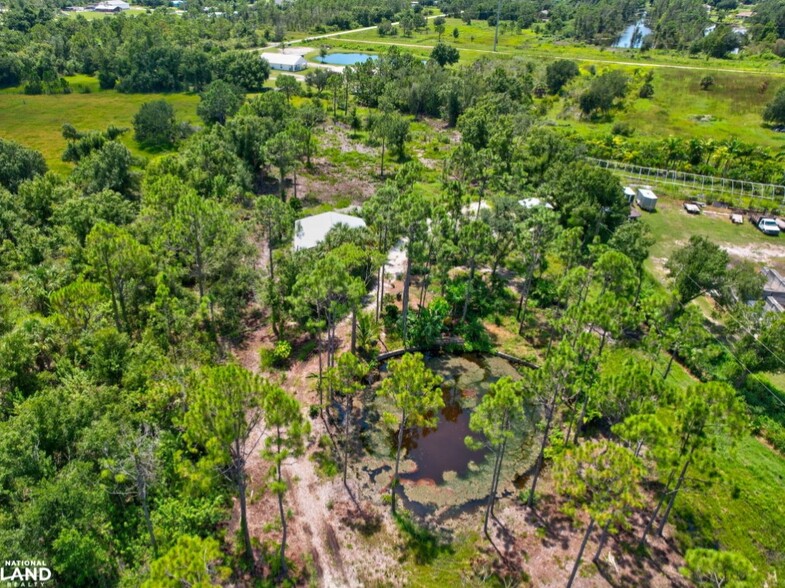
438	473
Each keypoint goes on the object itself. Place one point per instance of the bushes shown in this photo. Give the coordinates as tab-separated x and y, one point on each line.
277	357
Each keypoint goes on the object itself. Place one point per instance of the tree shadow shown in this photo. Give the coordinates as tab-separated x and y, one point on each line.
364	521
423	543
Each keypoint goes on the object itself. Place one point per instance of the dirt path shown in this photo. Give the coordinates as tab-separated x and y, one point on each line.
318	533
340	33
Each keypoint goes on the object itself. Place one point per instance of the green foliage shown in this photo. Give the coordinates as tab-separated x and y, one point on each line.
415	391
709	567
720	42
602	479
219	101
155	124
423	543
775	110
603	92
698	267
444	54
108	168
242	69
192	561
559	73
18	164
427	325
277	357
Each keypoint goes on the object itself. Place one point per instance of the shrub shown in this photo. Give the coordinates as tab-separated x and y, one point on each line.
155	124
276	357
623	129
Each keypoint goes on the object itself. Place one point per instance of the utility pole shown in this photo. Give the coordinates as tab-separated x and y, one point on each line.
496	33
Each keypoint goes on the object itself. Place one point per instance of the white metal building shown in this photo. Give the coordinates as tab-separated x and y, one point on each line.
311	230
285	62
112	6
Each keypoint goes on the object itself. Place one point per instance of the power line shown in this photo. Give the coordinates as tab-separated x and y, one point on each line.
769	390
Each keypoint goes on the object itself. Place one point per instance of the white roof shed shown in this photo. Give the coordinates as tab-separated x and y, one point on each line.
311	230
285	61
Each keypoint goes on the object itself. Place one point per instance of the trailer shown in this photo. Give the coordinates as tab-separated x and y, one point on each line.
646	199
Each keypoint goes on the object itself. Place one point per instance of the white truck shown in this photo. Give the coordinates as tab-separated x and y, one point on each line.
766	225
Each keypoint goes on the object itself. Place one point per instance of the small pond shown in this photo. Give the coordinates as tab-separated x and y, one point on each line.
438	473
632	36
345	58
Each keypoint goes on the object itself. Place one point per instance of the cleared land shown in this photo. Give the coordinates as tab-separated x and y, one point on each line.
36	121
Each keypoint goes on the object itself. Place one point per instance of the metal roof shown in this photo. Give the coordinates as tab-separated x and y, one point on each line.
311	230
283	58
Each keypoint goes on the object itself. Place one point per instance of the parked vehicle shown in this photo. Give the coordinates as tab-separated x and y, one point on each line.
692	207
767	225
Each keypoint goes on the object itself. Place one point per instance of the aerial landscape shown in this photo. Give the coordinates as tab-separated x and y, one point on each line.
431	293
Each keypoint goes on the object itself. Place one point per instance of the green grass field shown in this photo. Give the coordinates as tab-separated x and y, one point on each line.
35	121
744	510
672	227
734	103
90	15
477	38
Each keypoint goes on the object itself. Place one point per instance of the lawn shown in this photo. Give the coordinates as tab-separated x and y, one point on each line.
734	103
35	121
91	15
672	227
477	38
744	510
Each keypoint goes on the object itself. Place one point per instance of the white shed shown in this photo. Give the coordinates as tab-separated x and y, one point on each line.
629	194
285	62
647	199
311	230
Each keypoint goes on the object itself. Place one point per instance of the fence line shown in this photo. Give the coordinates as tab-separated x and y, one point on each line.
735	188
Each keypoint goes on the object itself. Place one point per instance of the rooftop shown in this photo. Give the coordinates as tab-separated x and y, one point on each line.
282	58
311	230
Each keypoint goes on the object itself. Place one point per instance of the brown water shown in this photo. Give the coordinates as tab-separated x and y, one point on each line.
442	448
439	475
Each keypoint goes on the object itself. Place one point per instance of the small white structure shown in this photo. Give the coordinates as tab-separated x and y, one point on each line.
629	193
112	6
647	199
473	208
534	203
311	230
284	61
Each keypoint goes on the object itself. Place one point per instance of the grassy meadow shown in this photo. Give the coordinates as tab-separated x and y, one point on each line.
731	108
743	86
672	227
749	494
477	38
35	121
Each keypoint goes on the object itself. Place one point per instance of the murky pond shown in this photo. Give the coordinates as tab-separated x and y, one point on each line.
442	448
438	472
